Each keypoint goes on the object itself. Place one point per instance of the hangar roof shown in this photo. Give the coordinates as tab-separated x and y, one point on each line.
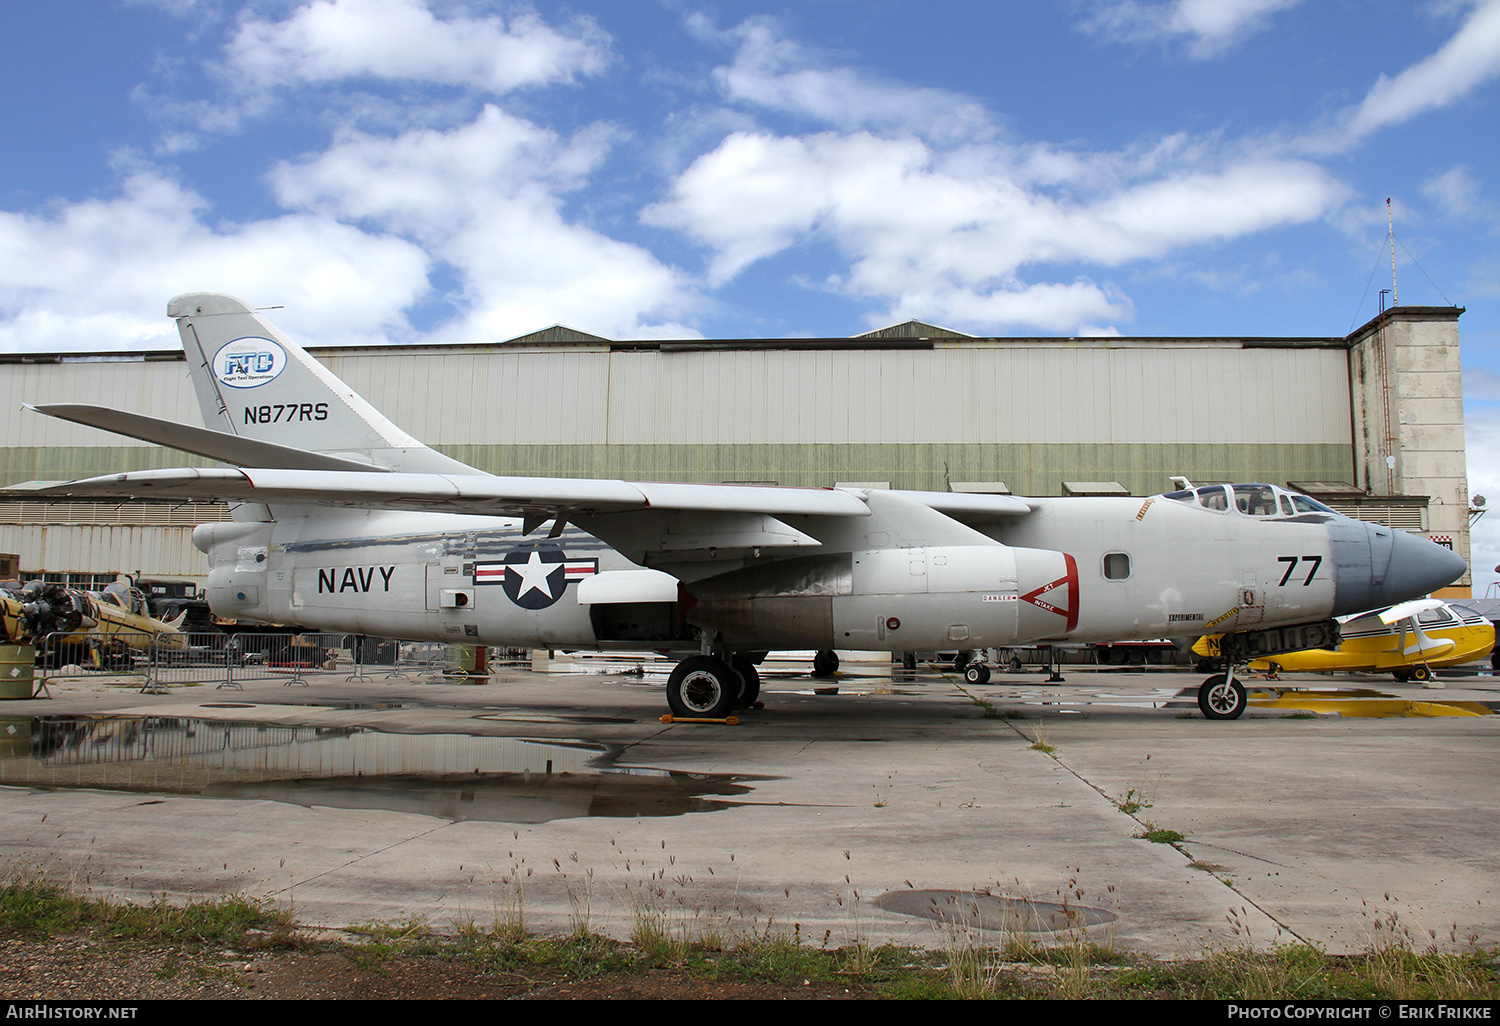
912	334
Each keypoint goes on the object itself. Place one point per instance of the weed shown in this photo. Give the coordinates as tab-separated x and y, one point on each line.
34	905
1158	835
1132	802
1040	743
1401	962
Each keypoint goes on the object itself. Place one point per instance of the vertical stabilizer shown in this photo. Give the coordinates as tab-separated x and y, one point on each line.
253	381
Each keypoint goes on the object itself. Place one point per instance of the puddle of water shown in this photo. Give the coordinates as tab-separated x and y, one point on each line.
450	776
313	703
979	910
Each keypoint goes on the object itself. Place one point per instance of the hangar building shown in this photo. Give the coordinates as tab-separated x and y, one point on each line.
1371	424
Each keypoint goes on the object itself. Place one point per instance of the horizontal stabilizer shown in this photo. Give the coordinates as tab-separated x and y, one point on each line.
214	445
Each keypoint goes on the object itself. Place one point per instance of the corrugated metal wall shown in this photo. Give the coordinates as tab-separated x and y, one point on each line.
97	548
968	394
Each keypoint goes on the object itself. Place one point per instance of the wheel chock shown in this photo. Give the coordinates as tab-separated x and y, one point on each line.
728	721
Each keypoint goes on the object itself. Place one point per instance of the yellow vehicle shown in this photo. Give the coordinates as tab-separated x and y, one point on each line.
1407	641
105	624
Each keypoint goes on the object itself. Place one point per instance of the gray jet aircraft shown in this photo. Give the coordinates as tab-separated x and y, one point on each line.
344	522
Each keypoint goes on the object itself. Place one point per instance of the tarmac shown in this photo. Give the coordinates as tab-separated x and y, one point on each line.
910	808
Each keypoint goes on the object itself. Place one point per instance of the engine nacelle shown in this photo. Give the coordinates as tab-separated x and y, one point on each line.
906	599
239	558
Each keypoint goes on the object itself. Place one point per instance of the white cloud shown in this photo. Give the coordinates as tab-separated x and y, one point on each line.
1467	60
779	74
918	224
1049	306
1482	433
1455	191
487	199
97	274
1210	26
401	40
939	223
1480	383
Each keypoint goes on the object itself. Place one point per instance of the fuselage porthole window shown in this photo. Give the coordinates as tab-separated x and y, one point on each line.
1116	566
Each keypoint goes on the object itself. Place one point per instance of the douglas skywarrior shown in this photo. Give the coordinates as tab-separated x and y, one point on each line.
343	522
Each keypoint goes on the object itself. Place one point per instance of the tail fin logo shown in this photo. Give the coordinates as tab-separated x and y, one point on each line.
249	362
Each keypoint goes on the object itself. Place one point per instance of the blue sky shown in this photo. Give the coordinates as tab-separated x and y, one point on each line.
400	170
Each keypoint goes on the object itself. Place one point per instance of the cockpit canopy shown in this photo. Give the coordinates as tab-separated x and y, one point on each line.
1253	500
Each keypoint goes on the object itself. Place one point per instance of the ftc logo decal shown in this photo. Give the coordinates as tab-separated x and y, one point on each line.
249	362
535	578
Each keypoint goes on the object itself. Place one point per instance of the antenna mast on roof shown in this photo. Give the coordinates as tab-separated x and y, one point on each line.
1390	228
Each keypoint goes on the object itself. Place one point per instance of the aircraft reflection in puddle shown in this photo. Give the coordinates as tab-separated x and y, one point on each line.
449	776
1362	703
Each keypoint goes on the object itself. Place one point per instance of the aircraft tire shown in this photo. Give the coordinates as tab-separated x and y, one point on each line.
978	673
1220	698
702	687
1421	674
750	677
825	663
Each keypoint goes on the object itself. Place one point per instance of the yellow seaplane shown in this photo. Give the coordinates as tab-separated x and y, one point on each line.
1408	641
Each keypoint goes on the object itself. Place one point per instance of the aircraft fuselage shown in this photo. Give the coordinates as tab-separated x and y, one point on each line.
1076	569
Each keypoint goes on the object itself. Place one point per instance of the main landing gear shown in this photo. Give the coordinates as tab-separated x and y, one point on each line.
708	687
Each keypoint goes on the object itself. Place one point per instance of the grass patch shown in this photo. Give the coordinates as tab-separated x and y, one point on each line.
1041	744
974	965
1158	835
38	907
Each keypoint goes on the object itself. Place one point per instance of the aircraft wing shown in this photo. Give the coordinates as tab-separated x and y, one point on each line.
670	519
446	493
1406	609
275	473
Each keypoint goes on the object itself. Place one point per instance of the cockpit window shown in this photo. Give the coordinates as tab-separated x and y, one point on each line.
1181	496
1255	500
1434	616
1286	505
1305	505
1213	497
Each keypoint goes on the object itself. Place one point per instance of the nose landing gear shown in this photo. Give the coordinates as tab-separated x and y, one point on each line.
1221	697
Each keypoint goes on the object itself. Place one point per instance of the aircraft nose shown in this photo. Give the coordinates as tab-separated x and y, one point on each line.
1417	567
1377	566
